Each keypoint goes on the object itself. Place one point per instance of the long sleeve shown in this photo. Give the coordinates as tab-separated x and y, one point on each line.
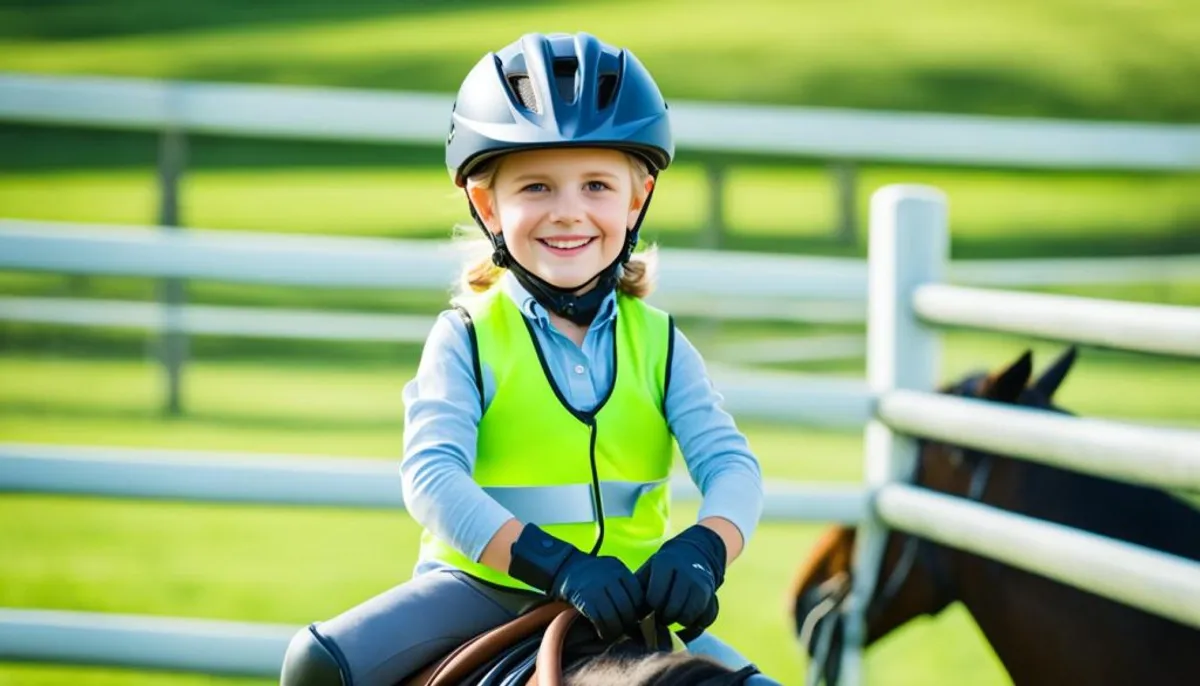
716	453
442	413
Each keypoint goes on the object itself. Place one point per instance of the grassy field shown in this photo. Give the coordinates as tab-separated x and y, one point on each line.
1061	58
292	565
1066	58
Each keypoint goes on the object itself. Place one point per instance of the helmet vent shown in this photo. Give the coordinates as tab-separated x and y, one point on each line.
523	89
607	88
565	75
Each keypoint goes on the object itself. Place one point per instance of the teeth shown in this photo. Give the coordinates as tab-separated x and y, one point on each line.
566	245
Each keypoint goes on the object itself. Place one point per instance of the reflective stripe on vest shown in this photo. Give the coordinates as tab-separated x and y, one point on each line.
595	479
570	504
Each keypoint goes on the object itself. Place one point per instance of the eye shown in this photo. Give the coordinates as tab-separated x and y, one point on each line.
535	188
597	186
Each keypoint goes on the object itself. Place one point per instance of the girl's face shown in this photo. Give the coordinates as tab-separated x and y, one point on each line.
563	212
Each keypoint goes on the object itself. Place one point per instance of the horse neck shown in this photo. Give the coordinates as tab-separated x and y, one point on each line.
1049	633
1018	622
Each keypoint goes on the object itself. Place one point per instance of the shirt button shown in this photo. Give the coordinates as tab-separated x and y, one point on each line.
579	369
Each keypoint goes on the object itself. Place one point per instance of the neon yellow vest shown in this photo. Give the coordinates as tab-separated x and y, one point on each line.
597	480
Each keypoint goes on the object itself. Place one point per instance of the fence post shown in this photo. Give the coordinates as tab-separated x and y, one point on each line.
908	245
714	174
173	343
845	177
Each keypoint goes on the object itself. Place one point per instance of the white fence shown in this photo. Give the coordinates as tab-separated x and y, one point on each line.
727	285
294	480
909	243
845	137
768	131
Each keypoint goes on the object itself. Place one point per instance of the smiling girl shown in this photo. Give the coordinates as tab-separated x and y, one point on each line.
541	422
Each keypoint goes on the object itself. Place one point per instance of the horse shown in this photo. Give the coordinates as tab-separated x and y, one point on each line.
550	645
1043	631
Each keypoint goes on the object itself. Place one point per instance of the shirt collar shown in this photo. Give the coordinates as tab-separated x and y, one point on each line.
532	309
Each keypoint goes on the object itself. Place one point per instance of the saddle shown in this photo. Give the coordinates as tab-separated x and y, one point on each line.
531	650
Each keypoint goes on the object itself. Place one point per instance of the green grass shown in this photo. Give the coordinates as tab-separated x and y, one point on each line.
1065	58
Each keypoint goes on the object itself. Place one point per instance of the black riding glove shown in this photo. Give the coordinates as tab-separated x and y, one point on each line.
682	578
601	588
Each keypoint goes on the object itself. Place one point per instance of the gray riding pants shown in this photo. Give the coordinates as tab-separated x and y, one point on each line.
398	632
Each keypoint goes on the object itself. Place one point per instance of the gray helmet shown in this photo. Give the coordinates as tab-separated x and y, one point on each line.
555	91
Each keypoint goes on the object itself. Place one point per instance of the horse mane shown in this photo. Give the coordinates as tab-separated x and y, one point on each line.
634	665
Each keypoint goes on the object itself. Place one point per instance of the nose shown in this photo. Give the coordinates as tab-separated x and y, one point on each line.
567	208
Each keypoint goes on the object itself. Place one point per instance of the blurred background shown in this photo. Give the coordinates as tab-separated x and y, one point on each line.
1064	59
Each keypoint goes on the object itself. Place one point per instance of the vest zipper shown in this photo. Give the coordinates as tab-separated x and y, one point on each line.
599	504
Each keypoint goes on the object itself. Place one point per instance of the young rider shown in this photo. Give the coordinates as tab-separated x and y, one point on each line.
539	426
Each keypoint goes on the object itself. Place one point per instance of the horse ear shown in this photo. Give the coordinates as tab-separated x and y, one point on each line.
1007	385
1053	377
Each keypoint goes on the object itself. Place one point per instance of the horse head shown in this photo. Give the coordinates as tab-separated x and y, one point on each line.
916	577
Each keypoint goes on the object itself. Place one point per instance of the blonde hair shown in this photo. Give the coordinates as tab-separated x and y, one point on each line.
635	278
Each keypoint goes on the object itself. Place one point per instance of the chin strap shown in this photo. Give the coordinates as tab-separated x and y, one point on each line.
580	309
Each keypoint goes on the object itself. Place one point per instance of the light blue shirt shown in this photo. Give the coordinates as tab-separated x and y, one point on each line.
442	415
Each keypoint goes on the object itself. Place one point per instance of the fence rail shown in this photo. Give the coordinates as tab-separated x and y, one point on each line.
1164	329
843	137
775	131
343	262
1163	458
142	642
249	322
1164	584
329	262
750	287
258	479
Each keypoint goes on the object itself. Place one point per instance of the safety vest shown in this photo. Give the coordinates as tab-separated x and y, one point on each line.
596	479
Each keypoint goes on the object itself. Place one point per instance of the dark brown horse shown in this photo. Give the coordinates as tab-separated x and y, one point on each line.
551	645
1044	632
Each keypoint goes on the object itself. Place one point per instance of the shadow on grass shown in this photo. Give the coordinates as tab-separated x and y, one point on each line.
100	344
45	149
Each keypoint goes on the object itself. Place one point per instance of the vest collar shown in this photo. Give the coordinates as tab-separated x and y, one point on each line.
532	309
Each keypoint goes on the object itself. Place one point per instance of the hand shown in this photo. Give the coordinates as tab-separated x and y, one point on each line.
682	578
601	588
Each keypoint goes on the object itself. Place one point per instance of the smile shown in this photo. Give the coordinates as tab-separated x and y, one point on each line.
566	246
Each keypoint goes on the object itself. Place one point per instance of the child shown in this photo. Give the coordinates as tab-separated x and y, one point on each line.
538	436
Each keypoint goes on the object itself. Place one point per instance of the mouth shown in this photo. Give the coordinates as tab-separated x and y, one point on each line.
566	246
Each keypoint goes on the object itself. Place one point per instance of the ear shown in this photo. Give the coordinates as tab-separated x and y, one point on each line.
1053	377
1006	386
485	206
639	200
